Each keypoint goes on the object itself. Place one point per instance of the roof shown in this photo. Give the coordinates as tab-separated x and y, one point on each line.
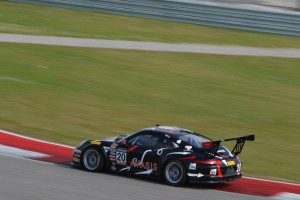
168	129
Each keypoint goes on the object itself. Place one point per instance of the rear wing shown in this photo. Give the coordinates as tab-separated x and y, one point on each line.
213	146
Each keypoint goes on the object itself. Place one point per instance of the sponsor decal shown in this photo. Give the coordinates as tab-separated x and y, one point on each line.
230	163
95	142
113	168
180	153
159	152
221	151
239	168
145	172
149	150
143	165
195	175
113	145
77	155
76	159
77	151
192	166
112	153
106	149
112	157
213	172
225	163
121	156
188	148
127	168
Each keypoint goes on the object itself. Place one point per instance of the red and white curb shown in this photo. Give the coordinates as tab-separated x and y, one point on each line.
26	147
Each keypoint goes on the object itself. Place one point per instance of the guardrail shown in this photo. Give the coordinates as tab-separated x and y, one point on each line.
189	12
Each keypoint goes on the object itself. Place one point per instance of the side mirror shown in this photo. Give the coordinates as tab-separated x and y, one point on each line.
123	143
120	137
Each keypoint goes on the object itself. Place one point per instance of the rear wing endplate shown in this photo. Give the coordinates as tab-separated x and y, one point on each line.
213	146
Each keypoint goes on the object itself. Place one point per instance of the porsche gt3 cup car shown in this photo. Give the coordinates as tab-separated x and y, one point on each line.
172	154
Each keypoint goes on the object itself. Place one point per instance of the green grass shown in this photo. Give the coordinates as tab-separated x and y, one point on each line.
39	20
70	94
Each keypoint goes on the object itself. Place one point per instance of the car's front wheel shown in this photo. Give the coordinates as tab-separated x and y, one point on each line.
93	160
174	173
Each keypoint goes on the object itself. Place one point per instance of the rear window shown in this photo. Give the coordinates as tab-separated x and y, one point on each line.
194	140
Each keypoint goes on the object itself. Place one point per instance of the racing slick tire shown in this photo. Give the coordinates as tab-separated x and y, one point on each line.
174	173
92	160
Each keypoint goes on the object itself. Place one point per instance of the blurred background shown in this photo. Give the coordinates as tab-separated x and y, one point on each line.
68	94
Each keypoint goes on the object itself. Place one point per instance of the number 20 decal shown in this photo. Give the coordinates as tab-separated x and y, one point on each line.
121	157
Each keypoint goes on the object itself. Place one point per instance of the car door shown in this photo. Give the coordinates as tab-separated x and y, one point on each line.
140	153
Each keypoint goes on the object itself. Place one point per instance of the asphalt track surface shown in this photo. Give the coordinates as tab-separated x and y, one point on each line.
150	46
22	179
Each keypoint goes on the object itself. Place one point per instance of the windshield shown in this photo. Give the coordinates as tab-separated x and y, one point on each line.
194	140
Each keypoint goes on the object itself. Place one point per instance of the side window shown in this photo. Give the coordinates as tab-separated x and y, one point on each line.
145	140
168	143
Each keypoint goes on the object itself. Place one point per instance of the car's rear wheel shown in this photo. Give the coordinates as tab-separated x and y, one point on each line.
174	173
93	160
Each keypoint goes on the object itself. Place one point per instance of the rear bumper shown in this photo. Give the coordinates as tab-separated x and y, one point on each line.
214	179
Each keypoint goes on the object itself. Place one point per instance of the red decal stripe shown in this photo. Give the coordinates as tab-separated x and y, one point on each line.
132	149
188	158
219	163
208	162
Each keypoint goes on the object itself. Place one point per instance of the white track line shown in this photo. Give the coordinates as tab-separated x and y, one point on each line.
150	46
259	179
286	196
21	152
29	159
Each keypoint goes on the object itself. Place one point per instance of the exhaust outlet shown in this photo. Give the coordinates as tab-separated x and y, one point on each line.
230	179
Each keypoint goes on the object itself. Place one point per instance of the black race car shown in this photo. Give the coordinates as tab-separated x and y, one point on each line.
172	154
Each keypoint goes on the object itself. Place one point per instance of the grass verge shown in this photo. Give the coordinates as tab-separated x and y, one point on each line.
66	94
39	20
